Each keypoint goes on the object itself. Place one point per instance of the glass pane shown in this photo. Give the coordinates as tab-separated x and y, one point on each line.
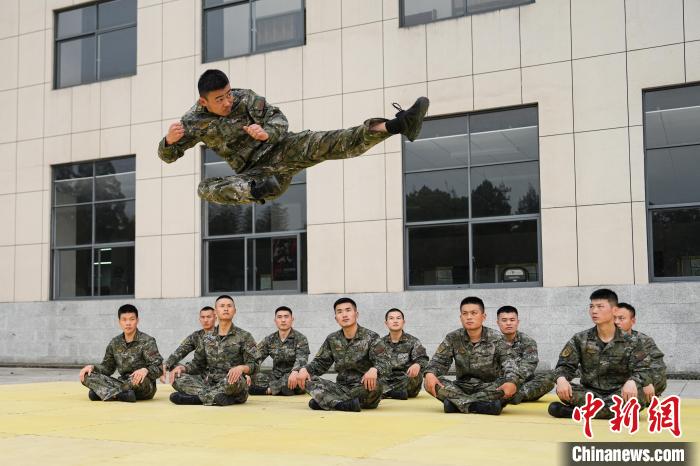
480	6
275	263
299	177
114	271
73	191
505	252
116	13
211	156
117	53
438	255
76	62
73	225
285	213
110	167
114	222
673	174
78	170
304	280
230	219
437	195
219	169
508	136
672	116
73	271
115	187
420	11
75	22
278	24
227	32
676	242
505	189
226	265
442	144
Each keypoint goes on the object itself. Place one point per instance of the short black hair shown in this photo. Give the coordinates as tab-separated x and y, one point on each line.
224	296
393	309
211	80
473	300
506	310
284	308
344	300
206	308
127	309
606	294
629	307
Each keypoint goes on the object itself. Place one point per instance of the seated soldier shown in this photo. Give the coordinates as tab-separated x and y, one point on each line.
534	386
486	368
134	355
207	319
360	360
408	359
289	350
610	362
216	374
625	319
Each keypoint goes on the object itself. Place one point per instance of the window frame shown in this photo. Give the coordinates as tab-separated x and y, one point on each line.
469	221
649	209
402	13
251	30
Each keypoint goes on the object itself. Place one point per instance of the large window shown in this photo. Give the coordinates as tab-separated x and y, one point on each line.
232	28
93	229
427	11
95	42
672	143
254	248
472	200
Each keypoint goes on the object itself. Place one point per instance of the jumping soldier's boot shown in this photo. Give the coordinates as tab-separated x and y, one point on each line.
262	188
410	121
184	399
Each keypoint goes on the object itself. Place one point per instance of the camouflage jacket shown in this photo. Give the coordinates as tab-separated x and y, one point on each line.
404	353
218	354
225	135
488	359
525	352
126	358
188	345
352	357
656	357
288	355
604	367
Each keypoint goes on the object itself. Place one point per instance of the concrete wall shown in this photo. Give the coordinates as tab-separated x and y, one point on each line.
78	332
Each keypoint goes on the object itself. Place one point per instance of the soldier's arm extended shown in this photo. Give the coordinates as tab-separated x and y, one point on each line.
442	359
250	355
322	361
508	361
169	153
569	360
186	347
154	361
379	356
262	350
419	355
268	116
301	356
527	363
108	364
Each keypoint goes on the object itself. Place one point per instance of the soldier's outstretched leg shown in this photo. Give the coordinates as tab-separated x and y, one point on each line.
326	394
104	386
464	395
534	389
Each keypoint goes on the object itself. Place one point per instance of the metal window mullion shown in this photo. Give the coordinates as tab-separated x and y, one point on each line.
251	30
432	170
505	219
688	205
437	222
674	146
471	254
299	253
513	162
93	221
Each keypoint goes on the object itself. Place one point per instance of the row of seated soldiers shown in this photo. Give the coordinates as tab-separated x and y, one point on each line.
493	368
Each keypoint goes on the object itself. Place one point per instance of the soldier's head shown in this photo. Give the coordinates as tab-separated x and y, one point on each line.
472	313
215	92
394	320
625	317
507	320
128	318
603	301
283	318
345	312
207	318
225	307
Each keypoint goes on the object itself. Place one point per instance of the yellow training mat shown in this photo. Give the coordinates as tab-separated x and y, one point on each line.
56	424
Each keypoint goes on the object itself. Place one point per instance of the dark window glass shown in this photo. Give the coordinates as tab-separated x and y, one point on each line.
438	255
218	170
276	267
77	170
480	6
505	252
505	189
76	62
120	186
278	24
508	136
73	272
117	13
439	195
227	31
672	117
230	219
114	271
114	222
441	144
673	175
76	22
73	191
117	53
676	242
285	213
110	167
226	265
73	225
421	12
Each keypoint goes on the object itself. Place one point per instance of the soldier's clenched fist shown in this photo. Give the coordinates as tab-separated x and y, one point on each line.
175	133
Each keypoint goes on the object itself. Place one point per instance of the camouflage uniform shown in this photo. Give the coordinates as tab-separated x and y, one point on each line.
535	386
605	367
481	367
126	358
352	359
287	356
656	362
206	374
403	354
189	344
284	154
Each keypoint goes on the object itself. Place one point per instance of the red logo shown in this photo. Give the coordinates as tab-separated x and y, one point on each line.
626	415
588	412
665	414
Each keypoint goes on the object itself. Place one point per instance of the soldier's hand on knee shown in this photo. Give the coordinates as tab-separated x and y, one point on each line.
369	380
175	373
87	370
248	380
256	132
175	132
234	374
564	391
413	370
649	392
292	380
138	376
629	390
508	389
302	377
430	383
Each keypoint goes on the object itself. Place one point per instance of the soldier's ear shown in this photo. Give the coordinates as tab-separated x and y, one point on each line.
202	101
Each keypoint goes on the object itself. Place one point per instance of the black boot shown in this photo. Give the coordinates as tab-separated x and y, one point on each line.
398	394
127	396
314	405
517	399
410	121
560	410
493	408
254	390
93	396
185	399
263	188
349	405
449	407
286	391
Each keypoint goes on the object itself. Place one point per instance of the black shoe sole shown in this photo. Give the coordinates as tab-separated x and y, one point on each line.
413	128
560	410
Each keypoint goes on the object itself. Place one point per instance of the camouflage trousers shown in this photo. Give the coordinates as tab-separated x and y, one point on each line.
207	389
537	386
412	385
291	154
463	393
108	387
275	384
579	398
328	394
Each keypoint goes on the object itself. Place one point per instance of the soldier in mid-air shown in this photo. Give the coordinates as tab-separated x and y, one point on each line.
134	355
408	358
251	135
207	319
